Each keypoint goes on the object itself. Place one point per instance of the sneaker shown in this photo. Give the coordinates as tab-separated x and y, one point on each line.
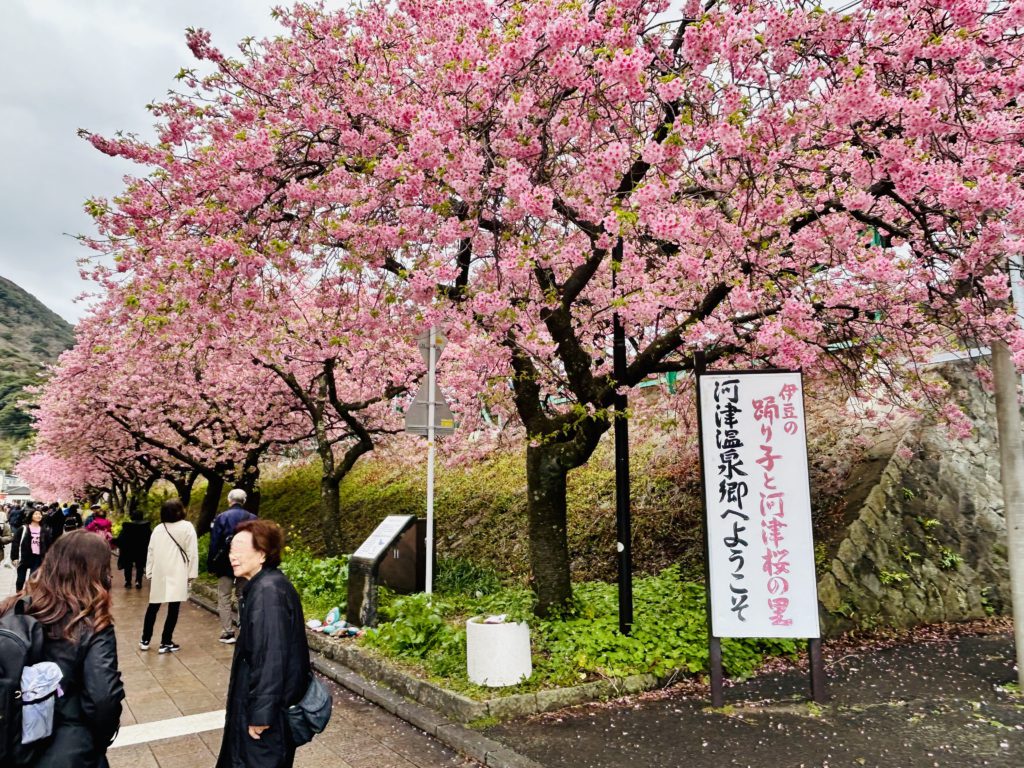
228	638
143	645
127	585
139	585
169	647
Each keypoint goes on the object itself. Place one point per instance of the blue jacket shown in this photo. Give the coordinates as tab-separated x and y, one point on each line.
223	526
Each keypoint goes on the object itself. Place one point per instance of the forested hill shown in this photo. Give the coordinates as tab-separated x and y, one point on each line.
31	335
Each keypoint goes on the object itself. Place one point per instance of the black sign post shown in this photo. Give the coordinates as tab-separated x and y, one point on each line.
714	643
393	555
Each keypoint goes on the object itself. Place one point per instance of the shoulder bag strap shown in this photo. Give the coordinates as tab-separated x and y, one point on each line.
184	557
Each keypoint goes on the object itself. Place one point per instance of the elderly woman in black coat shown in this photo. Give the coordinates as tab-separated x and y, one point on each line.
270	670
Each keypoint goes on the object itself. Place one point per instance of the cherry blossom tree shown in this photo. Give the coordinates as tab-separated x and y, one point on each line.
532	171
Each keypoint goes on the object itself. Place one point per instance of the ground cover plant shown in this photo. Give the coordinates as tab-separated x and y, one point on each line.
427	636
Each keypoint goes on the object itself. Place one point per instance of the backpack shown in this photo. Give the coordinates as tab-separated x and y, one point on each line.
221	562
21	645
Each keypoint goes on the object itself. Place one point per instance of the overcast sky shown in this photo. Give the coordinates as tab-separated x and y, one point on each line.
94	64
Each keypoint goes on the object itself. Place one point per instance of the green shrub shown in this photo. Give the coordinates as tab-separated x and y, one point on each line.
322	582
669	633
204	554
457	575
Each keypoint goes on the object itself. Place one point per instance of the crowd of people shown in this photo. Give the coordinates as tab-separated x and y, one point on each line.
65	583
30	529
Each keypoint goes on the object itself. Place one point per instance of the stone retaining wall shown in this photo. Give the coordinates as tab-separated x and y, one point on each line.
929	542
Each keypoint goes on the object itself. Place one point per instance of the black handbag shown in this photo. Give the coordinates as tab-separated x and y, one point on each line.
311	715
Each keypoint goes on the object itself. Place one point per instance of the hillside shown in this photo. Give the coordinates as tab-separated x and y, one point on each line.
31	336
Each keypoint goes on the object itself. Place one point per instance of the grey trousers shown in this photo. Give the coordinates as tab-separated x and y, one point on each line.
225	584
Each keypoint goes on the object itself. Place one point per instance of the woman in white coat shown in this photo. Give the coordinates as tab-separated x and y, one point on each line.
173	562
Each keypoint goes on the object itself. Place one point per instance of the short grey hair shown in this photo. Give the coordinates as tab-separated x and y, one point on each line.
237	496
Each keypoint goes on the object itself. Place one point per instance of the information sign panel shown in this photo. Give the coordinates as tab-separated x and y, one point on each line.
757	501
382	537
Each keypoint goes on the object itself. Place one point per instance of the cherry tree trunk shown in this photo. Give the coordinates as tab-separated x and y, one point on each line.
183	487
549	544
330	514
250	483
211	503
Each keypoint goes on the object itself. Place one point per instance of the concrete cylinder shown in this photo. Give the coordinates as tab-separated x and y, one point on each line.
497	654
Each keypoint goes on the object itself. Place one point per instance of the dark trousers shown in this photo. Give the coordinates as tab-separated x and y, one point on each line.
140	571
27	564
167	636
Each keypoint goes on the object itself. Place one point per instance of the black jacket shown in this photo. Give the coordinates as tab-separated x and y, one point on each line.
53	528
133	543
22	547
269	672
89	713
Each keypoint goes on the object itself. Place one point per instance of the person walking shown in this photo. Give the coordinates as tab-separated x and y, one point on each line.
172	561
72	518
17	519
29	548
53	525
132	547
70	597
270	670
217	561
99	524
6	536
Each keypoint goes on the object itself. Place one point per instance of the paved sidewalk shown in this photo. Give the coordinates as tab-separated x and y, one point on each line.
184	693
194	681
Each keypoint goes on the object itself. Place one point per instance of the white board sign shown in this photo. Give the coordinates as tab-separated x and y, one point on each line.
758	505
378	541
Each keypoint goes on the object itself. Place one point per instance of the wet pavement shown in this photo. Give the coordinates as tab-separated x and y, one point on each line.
173	711
923	704
915	705
168	688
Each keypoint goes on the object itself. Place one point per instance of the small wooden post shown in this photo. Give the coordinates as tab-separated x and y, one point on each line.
717	678
817	664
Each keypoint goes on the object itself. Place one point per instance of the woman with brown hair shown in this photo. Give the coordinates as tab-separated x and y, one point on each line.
70	597
270	670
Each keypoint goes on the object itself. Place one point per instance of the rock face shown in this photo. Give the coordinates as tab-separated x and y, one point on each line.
928	543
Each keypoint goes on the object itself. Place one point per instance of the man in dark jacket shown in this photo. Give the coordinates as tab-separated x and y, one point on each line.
53	525
132	547
72	518
217	562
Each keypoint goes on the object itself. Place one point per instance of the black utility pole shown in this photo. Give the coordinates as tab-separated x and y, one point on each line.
623	525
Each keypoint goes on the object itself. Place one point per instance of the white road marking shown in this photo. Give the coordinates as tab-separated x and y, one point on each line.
169	729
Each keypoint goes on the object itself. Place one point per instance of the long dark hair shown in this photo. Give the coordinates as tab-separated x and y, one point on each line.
70	591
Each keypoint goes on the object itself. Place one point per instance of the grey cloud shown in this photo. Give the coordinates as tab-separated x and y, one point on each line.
94	64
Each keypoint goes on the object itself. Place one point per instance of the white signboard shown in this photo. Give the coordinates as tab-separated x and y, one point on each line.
378	541
758	505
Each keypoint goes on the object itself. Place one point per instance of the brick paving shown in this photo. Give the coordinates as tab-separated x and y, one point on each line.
194	681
